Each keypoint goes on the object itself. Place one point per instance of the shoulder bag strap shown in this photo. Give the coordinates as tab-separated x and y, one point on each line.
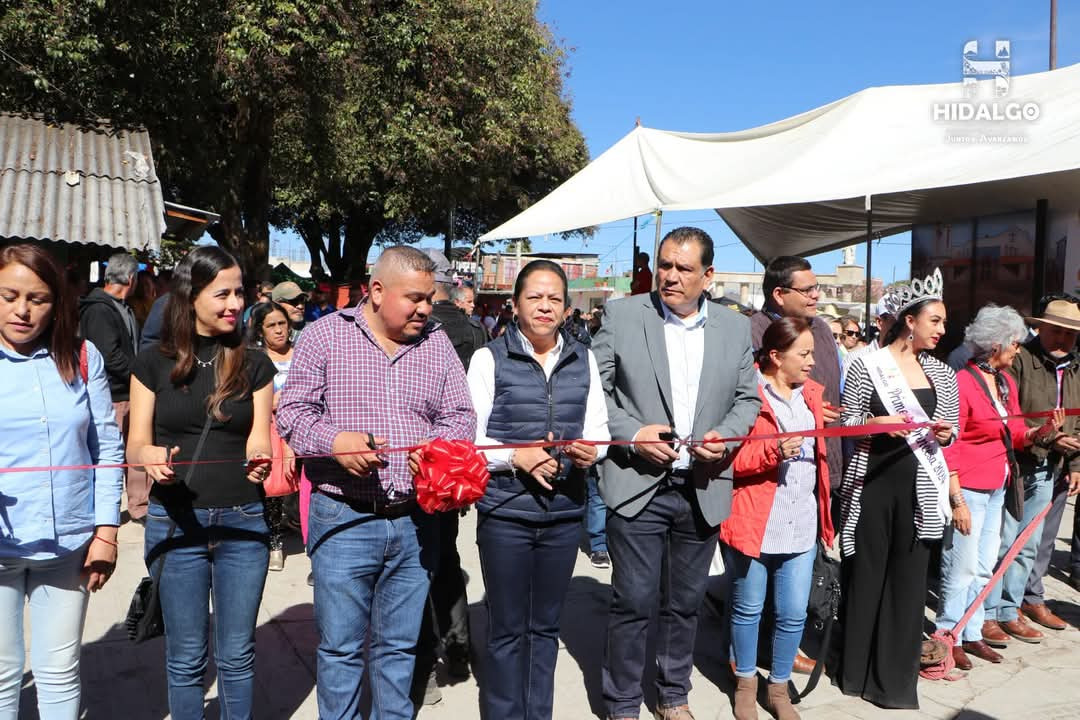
187	479
1004	425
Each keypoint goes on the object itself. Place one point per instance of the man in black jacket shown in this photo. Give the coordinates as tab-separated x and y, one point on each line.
106	320
447	619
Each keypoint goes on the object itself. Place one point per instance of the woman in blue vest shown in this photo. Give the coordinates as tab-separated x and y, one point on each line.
532	383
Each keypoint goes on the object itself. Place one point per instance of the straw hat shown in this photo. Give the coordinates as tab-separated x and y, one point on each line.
1061	313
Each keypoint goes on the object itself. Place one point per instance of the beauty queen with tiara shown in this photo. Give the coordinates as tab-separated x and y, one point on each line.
894	497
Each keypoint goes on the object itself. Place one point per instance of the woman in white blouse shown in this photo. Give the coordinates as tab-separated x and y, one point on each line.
532	383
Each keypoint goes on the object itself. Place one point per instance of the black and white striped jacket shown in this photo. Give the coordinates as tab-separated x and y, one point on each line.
858	389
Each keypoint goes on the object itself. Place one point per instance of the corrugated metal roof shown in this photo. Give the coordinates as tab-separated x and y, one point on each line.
82	184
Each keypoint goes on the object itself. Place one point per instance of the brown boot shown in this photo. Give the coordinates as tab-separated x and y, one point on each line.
780	702
746	698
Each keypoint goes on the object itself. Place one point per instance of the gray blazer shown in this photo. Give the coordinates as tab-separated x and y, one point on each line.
632	356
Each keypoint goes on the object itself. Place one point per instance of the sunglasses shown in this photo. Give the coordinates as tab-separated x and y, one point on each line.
293	301
851	333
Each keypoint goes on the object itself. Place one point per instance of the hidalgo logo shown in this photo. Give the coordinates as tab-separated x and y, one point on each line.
997	69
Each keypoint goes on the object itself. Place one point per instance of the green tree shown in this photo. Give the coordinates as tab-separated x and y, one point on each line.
352	122
444	112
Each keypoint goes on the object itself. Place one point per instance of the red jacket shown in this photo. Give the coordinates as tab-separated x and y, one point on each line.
756	465
978	455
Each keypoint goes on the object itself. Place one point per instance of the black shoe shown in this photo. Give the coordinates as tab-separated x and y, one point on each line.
600	559
311	579
426	692
457	662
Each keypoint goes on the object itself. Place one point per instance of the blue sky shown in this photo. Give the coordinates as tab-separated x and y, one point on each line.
715	66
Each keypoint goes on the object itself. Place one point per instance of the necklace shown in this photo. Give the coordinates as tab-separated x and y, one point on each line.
207	363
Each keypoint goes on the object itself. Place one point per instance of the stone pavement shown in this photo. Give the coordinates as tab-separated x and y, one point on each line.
127	682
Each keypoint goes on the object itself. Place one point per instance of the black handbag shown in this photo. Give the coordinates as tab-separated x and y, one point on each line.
144	620
1014	490
821	611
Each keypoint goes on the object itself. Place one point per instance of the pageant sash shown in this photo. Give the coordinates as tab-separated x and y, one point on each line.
898	399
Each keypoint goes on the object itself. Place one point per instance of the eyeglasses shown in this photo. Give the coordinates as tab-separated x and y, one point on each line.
806	291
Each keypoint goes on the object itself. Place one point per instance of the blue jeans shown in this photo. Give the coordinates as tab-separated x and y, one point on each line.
57	596
527	569
1003	602
595	514
791	576
371	575
966	567
217	554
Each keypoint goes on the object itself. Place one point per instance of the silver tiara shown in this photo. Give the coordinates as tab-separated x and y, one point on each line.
903	295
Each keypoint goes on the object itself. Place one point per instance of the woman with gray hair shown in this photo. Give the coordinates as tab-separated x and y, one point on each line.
981	461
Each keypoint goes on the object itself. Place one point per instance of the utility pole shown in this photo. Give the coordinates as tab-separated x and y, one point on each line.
1053	34
656	244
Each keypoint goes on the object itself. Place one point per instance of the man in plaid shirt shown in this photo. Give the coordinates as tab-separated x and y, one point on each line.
378	375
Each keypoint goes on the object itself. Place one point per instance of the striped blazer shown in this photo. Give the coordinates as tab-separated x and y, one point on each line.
858	389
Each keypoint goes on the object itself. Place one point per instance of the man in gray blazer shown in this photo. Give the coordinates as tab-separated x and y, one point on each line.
673	365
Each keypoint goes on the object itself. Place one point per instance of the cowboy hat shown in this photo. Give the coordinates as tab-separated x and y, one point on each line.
1061	313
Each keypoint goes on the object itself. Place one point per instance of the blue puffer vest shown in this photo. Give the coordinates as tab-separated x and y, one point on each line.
527	406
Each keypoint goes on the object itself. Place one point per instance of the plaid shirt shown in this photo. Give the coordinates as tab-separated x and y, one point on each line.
341	380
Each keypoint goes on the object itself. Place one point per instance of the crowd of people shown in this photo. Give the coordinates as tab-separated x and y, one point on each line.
621	420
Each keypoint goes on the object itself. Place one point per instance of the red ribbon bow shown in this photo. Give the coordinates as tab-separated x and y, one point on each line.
452	475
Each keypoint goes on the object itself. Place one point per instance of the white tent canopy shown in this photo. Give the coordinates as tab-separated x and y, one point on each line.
798	186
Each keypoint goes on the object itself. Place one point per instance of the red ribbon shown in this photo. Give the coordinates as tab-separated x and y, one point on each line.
833	432
452	475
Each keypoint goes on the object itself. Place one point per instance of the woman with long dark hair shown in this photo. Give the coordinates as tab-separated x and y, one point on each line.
202	392
57	527
779	512
532	383
269	331
894	497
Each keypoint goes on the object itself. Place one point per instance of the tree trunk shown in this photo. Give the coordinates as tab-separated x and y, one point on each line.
245	213
360	230
311	232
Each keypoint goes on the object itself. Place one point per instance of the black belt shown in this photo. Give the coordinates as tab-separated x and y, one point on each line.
381	508
677	477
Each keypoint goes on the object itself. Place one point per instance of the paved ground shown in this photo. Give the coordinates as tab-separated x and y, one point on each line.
127	682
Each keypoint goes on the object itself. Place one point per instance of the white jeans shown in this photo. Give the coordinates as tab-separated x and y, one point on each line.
58	597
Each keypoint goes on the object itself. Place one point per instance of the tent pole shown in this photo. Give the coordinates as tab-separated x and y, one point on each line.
633	258
1038	286
869	252
656	245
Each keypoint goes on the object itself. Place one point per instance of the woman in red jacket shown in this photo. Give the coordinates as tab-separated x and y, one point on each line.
779	511
980	463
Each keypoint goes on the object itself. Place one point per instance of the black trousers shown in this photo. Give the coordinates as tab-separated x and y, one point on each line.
884	592
661	555
446	616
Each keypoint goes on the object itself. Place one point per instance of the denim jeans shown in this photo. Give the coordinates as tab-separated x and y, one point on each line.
595	514
1003	602
57	596
791	577
219	555
372	575
966	567
527	569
